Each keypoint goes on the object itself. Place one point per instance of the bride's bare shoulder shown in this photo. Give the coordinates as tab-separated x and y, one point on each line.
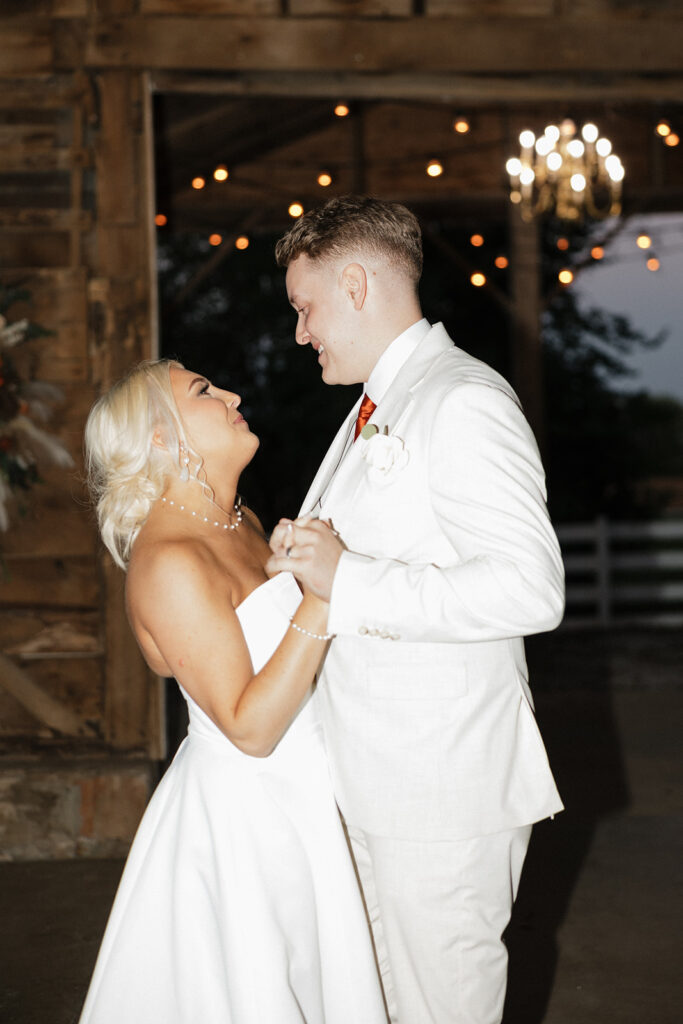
163	570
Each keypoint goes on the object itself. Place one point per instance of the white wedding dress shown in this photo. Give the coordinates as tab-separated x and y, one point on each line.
238	903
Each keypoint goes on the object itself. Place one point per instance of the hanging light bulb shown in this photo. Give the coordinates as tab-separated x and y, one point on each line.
324	179
242	242
295	210
221	173
434	169
215	239
461	125
198	183
341	110
478	279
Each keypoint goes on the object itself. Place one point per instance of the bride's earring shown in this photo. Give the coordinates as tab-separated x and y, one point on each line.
184	463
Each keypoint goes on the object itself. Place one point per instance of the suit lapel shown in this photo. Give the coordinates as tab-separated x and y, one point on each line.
399	397
336	473
330	463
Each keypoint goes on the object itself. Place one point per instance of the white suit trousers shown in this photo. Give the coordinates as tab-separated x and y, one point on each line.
438	911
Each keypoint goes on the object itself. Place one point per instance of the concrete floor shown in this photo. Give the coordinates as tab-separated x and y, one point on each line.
595	937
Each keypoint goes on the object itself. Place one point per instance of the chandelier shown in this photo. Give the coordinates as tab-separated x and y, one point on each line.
566	174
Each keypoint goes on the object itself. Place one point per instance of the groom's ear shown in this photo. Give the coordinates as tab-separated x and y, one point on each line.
355	284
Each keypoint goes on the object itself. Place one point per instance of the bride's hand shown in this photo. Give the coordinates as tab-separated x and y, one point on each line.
308	548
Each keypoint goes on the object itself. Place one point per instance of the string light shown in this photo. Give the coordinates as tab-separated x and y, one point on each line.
476	241
643	241
501	262
565	277
563	244
295	210
672	139
478	279
324	179
198	183
434	169
652	263
215	239
221	173
242	242
663	129
161	220
597	252
341	110
461	125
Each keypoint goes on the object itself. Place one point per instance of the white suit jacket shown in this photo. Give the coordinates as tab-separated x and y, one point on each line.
451	560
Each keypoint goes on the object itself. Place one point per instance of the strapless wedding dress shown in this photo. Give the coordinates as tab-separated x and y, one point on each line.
238	903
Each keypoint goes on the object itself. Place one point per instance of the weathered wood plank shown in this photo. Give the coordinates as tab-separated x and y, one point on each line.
29	635
56	8
472	91
413	44
355	8
33	249
490	8
253	8
25	51
132	696
57	582
58	521
36	157
25	218
116	150
43	706
56	296
40	91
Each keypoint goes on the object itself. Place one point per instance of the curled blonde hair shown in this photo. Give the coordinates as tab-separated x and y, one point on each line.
126	472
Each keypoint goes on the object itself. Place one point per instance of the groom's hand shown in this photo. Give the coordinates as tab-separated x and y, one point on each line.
308	548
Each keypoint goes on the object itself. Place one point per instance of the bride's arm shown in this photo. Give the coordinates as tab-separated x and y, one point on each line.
185	608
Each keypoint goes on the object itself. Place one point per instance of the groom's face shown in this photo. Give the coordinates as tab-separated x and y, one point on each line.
326	318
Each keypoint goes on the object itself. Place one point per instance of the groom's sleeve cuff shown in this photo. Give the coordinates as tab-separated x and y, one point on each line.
351	604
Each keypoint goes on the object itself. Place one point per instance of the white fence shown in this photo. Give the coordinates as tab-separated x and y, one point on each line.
623	573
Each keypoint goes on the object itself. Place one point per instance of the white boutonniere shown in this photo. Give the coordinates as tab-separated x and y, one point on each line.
385	453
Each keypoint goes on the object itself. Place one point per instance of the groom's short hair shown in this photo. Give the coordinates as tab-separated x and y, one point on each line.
355	224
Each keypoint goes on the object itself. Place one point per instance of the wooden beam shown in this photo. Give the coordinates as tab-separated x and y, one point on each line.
472	90
525	286
407	46
39	703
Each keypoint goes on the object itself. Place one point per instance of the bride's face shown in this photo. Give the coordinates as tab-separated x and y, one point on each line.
212	418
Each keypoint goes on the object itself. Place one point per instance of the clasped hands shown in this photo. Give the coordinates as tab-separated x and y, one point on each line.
308	548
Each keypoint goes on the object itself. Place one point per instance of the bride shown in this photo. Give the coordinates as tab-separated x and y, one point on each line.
238	903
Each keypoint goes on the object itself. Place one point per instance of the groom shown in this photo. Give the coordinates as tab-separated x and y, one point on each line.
435	486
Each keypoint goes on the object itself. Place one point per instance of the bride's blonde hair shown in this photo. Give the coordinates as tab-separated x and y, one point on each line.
126	471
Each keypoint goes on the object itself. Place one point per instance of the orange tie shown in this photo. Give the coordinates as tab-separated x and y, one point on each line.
367	407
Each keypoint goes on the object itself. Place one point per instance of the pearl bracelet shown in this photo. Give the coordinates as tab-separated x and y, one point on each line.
307	632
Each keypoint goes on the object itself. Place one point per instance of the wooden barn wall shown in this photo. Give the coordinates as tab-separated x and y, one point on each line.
80	715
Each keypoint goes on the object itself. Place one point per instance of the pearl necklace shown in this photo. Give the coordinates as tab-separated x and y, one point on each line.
236	508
